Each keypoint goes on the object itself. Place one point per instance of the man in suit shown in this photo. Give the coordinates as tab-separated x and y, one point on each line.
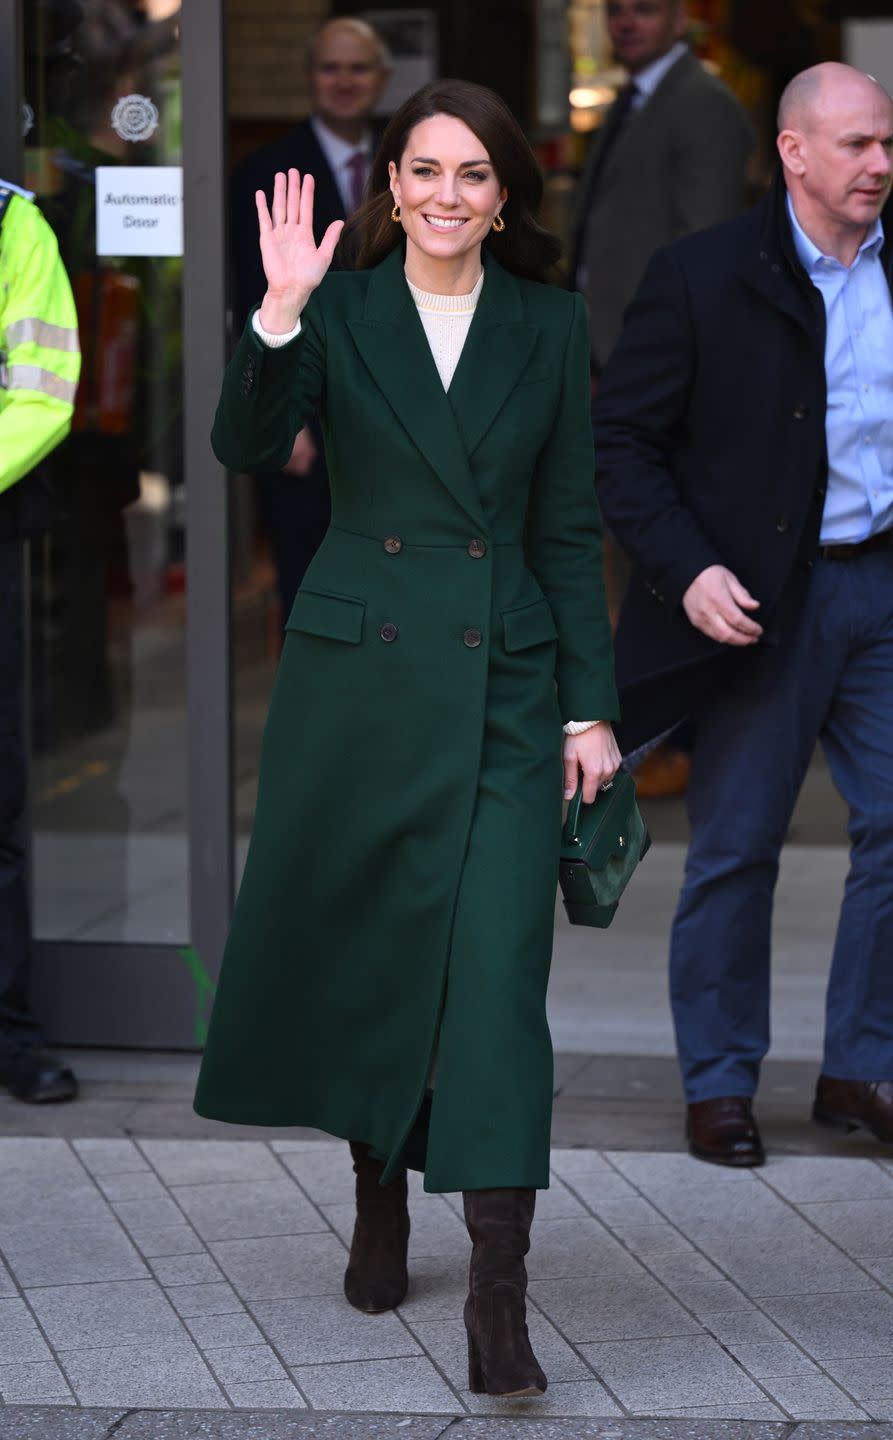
670	158
347	69
744	443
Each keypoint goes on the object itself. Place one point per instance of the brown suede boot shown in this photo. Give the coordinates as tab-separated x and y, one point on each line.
376	1278
500	1359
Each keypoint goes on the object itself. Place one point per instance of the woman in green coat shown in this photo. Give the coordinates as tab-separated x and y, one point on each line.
385	976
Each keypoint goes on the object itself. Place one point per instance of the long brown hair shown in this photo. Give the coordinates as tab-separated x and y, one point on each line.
524	247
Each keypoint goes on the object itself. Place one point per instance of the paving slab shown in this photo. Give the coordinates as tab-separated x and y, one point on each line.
81	1317
246	1365
33	1383
240	1209
191	1301
811	1180
20	1339
171	1374
198	1269
837	1327
405	1385
633	1308
864	1228
651	1374
325	1329
52	1255
283	1267
181	1162
866	1380
813	1397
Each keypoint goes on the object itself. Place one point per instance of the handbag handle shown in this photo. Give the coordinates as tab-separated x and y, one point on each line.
572	822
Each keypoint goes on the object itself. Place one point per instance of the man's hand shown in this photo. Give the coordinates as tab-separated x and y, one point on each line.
716	602
595	753
303	454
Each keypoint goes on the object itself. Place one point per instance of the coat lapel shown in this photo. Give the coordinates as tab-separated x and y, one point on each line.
446	428
395	350
493	359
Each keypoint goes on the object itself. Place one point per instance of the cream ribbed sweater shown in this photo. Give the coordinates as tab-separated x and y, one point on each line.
446	320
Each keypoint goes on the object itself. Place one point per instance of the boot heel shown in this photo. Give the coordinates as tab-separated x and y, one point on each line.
475	1371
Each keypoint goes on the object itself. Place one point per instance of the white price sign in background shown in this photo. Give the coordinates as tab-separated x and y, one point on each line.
139	210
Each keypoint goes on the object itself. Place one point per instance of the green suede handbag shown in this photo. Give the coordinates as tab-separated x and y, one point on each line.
601	845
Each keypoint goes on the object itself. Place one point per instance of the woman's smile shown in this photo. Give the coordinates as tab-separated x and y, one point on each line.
446	222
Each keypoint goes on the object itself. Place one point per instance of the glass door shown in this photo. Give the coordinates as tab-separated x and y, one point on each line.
130	773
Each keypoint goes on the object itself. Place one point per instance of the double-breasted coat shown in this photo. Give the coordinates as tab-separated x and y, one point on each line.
398	896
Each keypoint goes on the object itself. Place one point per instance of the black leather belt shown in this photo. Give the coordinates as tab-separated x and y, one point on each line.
882	541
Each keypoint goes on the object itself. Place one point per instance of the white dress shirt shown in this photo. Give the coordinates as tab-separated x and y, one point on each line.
338	154
647	80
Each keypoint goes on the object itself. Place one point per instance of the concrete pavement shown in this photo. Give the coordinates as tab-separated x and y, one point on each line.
206	1275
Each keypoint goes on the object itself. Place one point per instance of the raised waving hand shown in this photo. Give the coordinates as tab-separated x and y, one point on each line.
293	263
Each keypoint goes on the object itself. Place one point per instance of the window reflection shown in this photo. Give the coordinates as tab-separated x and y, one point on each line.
108	579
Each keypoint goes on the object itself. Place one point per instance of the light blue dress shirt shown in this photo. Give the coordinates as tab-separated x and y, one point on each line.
859	373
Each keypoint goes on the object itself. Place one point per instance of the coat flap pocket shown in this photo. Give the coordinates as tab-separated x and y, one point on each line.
530	625
337	617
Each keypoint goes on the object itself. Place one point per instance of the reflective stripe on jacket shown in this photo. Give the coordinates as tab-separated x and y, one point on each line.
39	352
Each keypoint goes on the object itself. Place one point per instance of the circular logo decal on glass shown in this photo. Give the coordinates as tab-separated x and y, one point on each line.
27	119
135	117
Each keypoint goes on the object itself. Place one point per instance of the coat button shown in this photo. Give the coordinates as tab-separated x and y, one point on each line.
477	549
393	544
782	524
801	411
388	632
472	638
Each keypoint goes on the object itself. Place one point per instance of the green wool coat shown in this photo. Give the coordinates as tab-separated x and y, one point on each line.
398	898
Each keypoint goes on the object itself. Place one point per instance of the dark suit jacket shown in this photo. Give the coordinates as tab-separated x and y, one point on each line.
710	448
678	165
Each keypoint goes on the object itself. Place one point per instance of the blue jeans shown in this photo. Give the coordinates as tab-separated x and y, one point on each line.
17	1028
832	682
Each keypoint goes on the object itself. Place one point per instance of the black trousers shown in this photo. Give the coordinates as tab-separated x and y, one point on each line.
17	1027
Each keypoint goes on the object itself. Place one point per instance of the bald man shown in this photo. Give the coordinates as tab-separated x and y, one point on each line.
744	444
347	66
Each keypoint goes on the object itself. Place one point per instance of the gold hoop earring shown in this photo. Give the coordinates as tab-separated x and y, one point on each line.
395	214
498	224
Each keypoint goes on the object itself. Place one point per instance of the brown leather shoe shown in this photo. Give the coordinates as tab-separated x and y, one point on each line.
724	1132
663	773
376	1278
850	1104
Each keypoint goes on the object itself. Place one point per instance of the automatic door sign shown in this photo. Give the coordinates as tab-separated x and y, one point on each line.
139	210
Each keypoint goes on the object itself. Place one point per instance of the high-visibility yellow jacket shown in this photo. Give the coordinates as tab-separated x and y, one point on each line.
40	356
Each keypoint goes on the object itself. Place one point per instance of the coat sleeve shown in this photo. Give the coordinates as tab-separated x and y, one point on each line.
638	419
564	543
708	162
269	395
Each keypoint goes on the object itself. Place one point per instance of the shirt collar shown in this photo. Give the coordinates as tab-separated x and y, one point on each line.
336	150
647	80
812	258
